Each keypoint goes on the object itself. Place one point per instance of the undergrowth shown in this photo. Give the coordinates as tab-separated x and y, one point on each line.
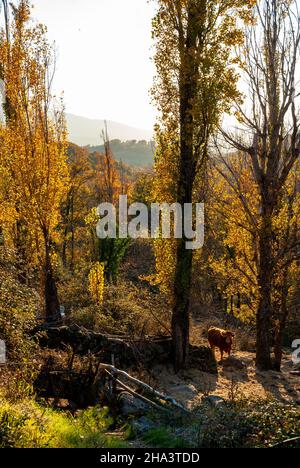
30	425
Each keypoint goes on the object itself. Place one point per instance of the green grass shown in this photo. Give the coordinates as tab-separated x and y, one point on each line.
163	438
30	425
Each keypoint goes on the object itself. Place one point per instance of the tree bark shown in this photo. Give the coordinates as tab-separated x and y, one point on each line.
180	318
231	305
264	310
238	305
186	177
284	312
52	306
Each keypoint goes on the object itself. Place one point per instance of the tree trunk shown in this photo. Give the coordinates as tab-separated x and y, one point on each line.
281	324
52	306
66	231
72	236
180	318
238	305
225	308
231	305
187	169
264	311
278	348
69	219
20	252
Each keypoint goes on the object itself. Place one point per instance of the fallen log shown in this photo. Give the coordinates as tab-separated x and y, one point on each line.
137	395
287	442
149	390
83	389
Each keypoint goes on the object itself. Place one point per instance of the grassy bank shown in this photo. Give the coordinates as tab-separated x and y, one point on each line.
29	424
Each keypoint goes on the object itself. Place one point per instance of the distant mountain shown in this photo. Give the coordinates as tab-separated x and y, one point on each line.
84	132
132	152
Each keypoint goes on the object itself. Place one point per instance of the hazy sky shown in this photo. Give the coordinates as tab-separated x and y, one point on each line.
104	49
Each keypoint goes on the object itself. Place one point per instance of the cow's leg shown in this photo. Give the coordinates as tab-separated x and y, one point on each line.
222	352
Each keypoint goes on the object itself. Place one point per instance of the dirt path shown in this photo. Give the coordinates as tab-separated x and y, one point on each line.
190	386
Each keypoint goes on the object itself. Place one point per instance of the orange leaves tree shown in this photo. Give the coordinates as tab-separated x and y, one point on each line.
235	211
270	138
33	147
194	86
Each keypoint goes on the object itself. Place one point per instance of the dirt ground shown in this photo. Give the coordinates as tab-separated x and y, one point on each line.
190	386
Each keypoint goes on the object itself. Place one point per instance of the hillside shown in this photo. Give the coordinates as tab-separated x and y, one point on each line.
84	131
135	153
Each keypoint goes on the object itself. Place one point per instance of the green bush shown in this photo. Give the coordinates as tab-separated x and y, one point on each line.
163	438
242	423
19	306
29	425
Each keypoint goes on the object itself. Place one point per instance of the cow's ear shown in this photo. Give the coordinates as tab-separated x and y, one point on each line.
232	334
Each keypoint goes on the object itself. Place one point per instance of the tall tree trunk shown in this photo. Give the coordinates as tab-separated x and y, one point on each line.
186	177
72	236
66	231
52	306
238	305
284	312
231	305
182	283
180	318
225	307
69	217
264	310
20	252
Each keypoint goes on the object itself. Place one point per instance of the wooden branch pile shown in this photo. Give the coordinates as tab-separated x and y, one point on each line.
129	352
105	383
107	386
148	394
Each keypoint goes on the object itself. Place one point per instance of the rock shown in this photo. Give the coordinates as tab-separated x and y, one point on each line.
213	400
183	392
151	350
248	360
233	363
142	425
131	405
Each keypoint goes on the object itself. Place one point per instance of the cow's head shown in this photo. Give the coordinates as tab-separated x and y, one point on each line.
228	335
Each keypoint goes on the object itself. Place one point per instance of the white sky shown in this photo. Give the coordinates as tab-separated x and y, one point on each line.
103	60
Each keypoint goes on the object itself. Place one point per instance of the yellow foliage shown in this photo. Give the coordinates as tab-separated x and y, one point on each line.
216	82
96	282
33	170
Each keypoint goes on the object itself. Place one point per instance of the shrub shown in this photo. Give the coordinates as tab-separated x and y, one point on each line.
242	423
136	309
163	438
223	427
19	307
29	425
126	309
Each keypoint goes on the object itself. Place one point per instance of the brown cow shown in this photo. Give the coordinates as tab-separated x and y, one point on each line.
221	339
